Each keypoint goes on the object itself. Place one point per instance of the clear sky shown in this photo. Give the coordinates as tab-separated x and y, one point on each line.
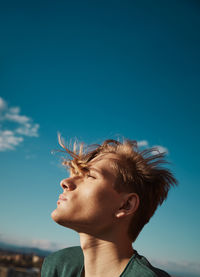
94	70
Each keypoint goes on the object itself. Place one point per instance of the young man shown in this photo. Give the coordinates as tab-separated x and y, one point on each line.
112	192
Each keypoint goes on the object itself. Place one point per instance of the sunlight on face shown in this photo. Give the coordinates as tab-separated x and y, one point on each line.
89	201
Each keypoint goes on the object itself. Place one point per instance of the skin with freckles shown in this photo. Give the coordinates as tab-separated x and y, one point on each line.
90	205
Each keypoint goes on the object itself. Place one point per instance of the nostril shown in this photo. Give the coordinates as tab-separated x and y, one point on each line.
71	186
67	184
64	186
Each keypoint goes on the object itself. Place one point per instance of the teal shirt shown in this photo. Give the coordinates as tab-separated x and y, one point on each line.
69	262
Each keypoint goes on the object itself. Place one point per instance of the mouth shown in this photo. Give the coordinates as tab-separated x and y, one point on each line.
61	198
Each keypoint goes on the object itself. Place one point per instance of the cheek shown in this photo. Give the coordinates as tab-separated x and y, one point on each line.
101	202
90	206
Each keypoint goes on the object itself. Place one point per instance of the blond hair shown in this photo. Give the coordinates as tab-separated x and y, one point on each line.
138	171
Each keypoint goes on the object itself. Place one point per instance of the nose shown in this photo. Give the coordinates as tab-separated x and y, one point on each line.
68	184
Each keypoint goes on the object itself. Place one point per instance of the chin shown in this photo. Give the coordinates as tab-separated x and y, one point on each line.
53	214
56	216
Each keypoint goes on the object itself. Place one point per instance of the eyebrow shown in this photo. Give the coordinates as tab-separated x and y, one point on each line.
94	169
104	173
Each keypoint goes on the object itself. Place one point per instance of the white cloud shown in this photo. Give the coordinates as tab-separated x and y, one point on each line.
14	110
38	243
142	143
28	130
8	140
21	119
30	156
160	149
2	104
46	244
178	267
24	126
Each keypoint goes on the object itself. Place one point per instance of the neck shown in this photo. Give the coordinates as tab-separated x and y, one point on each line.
105	257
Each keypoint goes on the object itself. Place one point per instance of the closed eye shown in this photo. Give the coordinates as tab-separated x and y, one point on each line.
91	176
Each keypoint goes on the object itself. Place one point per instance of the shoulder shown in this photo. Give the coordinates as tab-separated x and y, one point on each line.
140	266
69	253
62	261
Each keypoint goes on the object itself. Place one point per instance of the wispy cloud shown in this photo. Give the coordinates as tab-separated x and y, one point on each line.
179	267
15	116
8	140
30	156
28	129
142	143
43	244
158	148
46	244
2	104
24	126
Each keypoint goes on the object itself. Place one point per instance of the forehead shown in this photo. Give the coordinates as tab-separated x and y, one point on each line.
104	163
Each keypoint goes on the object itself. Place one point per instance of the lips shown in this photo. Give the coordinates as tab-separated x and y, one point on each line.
62	197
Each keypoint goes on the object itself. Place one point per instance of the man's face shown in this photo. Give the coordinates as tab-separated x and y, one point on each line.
89	202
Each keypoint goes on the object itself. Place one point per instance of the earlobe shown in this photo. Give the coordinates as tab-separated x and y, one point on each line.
120	214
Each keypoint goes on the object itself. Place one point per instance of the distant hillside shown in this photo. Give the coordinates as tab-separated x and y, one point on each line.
23	249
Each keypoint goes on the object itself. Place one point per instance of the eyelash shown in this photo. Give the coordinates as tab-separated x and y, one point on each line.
91	176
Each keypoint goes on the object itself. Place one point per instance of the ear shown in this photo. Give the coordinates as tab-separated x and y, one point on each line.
129	205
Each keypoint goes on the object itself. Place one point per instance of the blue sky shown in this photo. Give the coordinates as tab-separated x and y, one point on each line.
94	70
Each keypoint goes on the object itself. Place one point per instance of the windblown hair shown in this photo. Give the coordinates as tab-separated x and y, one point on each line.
138	171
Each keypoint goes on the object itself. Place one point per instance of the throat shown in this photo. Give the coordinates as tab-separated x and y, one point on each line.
105	261
105	257
114	269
